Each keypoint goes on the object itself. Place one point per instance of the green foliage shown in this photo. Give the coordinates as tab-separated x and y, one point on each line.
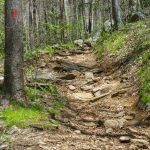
49	49
31	93
29	54
144	80
144	70
67	45
110	42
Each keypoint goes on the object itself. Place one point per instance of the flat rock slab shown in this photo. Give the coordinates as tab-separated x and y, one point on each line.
83	96
44	75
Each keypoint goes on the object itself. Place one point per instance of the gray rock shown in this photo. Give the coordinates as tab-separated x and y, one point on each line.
120	114
79	42
125	139
86	87
109	130
108	25
97	94
89	75
44	75
114	124
71	87
77	131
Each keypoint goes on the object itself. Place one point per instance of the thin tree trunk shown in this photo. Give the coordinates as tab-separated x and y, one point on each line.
116	13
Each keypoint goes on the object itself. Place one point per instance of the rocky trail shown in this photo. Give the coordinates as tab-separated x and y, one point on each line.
100	111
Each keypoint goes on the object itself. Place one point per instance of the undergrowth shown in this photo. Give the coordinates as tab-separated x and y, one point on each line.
110	42
29	54
143	73
137	37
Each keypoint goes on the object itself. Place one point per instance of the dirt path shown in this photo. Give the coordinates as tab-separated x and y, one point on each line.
100	112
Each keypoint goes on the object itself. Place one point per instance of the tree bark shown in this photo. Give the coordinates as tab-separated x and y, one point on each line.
116	14
13	67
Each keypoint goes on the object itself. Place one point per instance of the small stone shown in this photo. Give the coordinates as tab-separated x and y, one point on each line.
79	42
107	147
109	130
120	114
98	88
76	73
86	87
77	131
125	139
42	65
71	87
128	117
97	94
114	124
89	75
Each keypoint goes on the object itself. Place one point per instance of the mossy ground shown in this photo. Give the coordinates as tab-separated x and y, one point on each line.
35	113
22	116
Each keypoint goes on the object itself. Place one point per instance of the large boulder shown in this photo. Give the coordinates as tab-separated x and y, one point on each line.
108	25
79	42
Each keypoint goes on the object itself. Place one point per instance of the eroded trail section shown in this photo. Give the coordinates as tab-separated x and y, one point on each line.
100	111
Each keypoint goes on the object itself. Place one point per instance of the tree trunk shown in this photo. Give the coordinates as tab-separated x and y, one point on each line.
13	74
116	14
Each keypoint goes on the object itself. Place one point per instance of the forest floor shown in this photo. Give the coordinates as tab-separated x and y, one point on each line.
100	111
